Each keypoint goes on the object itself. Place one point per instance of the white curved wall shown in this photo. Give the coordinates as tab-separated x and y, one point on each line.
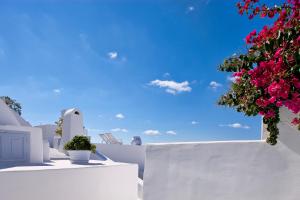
21	120
221	171
237	170
7	116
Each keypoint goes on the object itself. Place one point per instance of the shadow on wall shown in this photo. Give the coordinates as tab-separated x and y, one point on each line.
289	135
125	153
98	156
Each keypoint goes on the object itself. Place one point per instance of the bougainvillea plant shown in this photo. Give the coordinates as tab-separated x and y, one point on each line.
267	76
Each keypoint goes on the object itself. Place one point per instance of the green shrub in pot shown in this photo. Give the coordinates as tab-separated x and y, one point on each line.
80	142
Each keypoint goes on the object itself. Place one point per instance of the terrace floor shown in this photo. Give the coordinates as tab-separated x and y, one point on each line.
54	164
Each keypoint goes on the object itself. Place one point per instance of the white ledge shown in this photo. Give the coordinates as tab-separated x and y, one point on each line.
209	142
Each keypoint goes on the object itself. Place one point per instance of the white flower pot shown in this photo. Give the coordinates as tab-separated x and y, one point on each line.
79	156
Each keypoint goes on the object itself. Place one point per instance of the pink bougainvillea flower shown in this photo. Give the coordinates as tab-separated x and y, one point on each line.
296	121
279	104
272	99
270	114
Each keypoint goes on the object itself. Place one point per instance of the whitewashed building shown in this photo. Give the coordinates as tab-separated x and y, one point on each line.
72	125
19	141
27	174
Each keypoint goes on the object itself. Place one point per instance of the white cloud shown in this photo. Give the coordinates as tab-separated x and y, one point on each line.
191	8
120	116
171	132
235	125
194	122
172	87
214	85
124	130
151	132
112	55
57	91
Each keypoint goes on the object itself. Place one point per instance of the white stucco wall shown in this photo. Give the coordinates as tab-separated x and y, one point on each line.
48	132
90	183
72	123
244	170
236	170
35	141
124	153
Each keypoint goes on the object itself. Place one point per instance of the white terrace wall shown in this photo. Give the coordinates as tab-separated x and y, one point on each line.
221	171
238	170
124	153
48	132
91	183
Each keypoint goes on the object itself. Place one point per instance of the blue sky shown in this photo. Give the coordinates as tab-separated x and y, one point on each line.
145	68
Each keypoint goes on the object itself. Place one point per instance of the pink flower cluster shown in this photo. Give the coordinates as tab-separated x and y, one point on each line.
296	121
279	90
250	37
272	76
281	23
293	104
238	75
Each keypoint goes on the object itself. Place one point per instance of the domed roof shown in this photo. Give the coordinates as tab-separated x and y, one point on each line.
71	111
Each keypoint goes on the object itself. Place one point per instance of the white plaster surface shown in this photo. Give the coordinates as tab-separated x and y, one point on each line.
60	180
56	164
35	140
124	153
7	117
20	119
240	170
48	132
233	170
288	134
46	151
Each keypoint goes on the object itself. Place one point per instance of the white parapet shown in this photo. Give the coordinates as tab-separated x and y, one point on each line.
60	180
237	170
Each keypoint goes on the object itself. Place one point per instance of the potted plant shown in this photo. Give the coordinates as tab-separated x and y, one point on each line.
79	149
